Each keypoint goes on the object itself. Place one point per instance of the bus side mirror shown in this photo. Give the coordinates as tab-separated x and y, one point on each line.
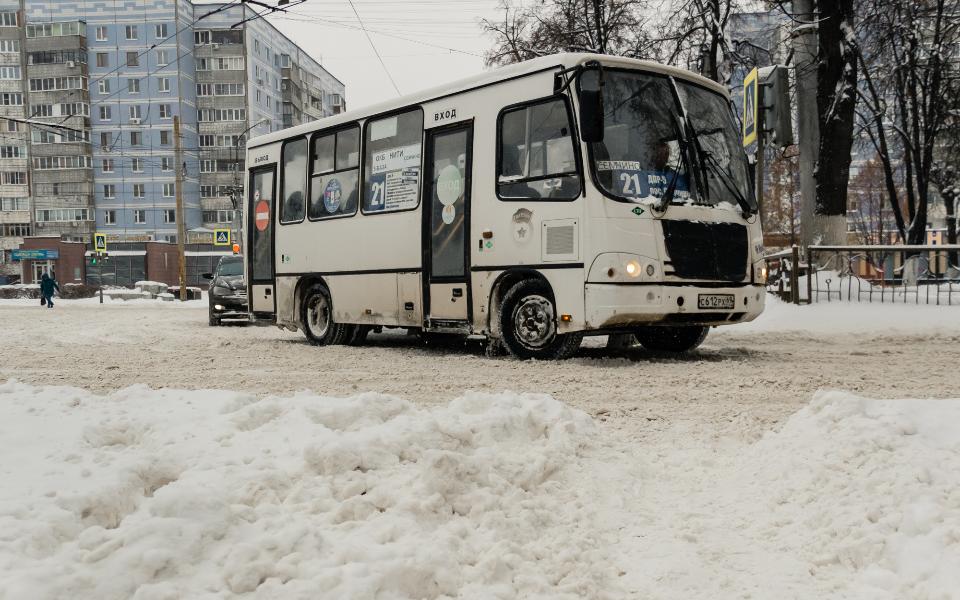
590	98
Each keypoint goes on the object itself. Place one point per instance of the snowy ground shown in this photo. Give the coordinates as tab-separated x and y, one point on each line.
413	472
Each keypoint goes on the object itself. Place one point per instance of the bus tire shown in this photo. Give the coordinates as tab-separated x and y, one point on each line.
316	314
357	335
621	341
676	339
528	323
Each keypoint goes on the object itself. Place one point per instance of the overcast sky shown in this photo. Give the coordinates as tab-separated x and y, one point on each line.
422	42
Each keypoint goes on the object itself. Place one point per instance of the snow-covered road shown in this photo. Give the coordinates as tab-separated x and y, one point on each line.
722	475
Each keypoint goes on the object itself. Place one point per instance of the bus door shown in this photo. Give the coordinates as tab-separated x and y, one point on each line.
446	254
260	252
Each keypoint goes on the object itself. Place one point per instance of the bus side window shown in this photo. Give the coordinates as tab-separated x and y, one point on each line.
537	158
335	174
294	181
391	162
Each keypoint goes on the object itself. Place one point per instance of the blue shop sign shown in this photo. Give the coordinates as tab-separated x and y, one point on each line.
35	254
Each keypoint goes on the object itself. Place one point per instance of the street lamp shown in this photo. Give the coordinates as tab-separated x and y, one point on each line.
235	195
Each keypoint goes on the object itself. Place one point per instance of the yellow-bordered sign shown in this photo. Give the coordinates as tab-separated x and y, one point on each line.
99	243
751	124
221	237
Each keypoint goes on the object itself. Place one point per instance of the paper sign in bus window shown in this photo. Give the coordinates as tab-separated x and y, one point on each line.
395	179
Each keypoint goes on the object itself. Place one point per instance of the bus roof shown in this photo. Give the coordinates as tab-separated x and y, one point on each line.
563	60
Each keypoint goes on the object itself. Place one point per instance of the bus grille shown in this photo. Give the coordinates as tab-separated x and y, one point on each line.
713	251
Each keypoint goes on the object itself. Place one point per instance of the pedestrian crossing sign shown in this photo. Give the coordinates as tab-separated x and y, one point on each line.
221	237
751	97
100	243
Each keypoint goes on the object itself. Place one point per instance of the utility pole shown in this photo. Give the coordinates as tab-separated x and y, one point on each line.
808	125
181	226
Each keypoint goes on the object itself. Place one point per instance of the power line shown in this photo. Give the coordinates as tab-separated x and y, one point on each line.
375	51
377	31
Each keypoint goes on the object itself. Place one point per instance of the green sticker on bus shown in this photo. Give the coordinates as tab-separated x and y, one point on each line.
637	211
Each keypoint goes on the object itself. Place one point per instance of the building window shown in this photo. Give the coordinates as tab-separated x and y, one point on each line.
9	19
166	163
133	86
139	216
168	192
103	59
131	32
109	190
165	111
134	111
107	165
106	139
133	59
12	73
201	37
163	58
11	99
101	33
136	138
103	86
163	84
136	165
106	113
208	166
206	140
204	89
139	190
13	178
164	137
13	126
14	204
169	215
109	217
160	31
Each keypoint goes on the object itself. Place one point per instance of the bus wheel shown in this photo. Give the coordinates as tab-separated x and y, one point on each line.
672	339
357	335
317	317
528	324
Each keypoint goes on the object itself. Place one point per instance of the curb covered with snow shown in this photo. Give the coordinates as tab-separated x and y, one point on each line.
157	494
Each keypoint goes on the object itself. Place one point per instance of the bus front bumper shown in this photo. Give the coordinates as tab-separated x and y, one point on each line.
622	306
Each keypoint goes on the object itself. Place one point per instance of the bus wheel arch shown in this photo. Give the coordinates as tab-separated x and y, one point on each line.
501	286
527	320
315	310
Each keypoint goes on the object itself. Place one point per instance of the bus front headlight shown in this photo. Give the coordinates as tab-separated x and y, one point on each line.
620	267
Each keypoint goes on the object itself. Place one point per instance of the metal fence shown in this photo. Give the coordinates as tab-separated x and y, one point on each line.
918	274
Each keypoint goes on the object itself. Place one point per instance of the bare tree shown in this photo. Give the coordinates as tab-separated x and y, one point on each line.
694	35
550	26
907	56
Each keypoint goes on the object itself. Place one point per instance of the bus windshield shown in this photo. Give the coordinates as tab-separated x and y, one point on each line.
659	139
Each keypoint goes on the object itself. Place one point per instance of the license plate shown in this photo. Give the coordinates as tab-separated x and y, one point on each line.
714	301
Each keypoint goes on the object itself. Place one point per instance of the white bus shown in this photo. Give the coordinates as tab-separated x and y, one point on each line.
569	195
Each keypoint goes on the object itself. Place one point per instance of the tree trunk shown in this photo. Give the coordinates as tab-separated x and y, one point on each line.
836	101
804	61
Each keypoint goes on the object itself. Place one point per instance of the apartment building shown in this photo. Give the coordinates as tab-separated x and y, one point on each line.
109	78
251	80
15	207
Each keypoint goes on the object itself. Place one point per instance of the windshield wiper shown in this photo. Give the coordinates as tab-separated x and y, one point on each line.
667	197
725	178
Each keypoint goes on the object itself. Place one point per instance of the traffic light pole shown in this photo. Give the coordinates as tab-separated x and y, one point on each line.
100	274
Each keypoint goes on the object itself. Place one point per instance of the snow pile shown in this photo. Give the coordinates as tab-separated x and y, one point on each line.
851	317
866	491
161	494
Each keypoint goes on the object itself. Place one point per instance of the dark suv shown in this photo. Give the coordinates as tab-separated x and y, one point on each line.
228	290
